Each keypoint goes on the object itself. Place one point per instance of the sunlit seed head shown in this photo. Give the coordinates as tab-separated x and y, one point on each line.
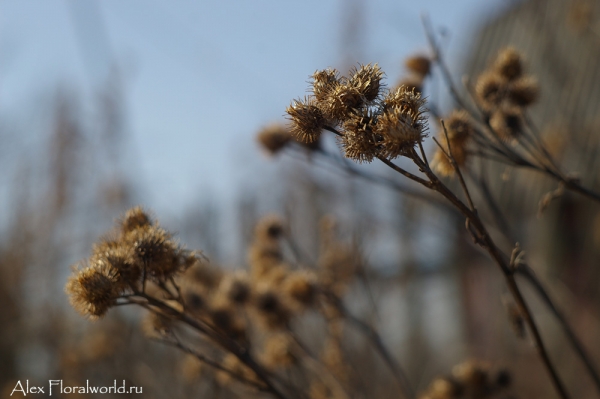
274	138
342	102
135	218
323	83
524	91
360	142
120	257
367	81
419	65
154	250
509	63
307	119
93	290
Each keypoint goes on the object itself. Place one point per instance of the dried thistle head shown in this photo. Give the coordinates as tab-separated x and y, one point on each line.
270	227
473	375
360	142
489	89
459	127
225	320
301	288
307	119
507	122
509	63
135	218
419	65
324	82
442	164
279	351
119	257
154	249
93	290
274	138
273	312
343	100
403	122
235	287
523	91
204	274
367	81
444	388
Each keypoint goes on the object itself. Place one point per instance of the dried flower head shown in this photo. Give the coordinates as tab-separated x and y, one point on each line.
507	122
459	127
490	89
154	249
270	227
204	274
224	319
419	65
343	100
523	91
274	138
301	287
279	351
236	287
442	164
135	218
367	80
270	307
509	63
360	142
323	83
307	119
403	122
120	257
93	290
472	375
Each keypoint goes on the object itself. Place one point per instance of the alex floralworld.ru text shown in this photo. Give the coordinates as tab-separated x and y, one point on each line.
57	386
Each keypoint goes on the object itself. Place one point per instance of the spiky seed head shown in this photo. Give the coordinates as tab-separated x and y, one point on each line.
274	138
489	89
301	287
135	218
509	63
360	142
120	257
445	388
154	250
279	351
307	119
403	122
507	122
419	65
236	287
323	83
270	227
524	91
93	290
343	100
459	127
367	81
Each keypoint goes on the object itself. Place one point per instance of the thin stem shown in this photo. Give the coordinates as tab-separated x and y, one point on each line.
484	240
529	275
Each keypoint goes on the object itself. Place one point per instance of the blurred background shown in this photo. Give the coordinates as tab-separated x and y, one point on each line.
109	104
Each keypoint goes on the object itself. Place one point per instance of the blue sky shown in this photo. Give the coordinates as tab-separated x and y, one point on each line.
201	77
